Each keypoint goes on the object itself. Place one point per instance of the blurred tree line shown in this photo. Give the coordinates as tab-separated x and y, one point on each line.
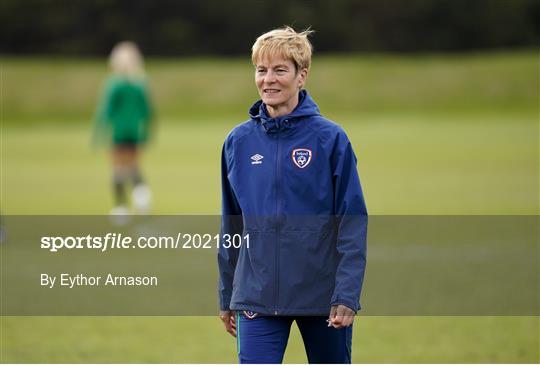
167	27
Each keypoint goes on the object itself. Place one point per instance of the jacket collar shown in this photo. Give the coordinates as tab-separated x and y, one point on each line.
306	108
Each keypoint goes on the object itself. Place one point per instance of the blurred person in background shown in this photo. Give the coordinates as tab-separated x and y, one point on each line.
124	119
289	181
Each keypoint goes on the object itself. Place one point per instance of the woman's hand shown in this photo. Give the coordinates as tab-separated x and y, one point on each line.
341	316
229	321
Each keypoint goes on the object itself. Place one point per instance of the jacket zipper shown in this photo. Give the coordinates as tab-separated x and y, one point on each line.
277	225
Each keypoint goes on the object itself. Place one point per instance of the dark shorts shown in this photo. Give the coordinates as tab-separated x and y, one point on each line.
126	143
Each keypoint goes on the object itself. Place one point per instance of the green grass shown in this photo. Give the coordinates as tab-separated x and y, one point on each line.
203	340
409	164
434	134
48	89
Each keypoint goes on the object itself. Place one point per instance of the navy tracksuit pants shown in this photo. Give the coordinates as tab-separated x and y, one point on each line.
263	339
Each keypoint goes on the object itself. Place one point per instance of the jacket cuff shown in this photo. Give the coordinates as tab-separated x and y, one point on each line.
355	306
224	304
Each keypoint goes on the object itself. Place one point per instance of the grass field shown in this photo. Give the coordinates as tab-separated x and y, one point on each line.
434	134
202	339
421	164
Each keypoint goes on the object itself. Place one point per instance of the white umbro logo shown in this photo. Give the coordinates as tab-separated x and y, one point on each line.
256	159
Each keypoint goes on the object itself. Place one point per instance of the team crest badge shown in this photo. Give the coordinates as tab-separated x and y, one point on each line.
301	157
250	314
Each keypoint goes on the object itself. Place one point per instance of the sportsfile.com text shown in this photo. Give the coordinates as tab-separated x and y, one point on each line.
121	241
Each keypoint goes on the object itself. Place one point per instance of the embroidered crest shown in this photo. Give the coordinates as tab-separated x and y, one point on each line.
301	157
250	314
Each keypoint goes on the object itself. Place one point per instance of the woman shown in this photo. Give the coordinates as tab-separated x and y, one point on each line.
289	181
124	117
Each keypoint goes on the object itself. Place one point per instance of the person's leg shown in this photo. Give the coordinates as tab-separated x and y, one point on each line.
119	189
325	344
132	163
126	170
262	340
120	177
141	195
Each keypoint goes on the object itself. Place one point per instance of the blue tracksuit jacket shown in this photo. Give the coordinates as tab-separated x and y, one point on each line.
291	184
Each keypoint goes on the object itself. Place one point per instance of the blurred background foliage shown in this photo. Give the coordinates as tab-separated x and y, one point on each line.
213	27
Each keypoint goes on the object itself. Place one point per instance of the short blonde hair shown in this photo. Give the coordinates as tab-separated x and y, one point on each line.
284	42
126	60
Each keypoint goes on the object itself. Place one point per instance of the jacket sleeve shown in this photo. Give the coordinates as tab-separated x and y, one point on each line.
231	223
147	113
351	219
105	109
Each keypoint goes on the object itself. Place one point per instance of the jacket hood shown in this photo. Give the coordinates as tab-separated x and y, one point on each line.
306	108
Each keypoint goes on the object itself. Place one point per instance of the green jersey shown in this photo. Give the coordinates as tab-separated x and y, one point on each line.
124	112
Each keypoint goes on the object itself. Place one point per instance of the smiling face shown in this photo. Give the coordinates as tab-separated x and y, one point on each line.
279	82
